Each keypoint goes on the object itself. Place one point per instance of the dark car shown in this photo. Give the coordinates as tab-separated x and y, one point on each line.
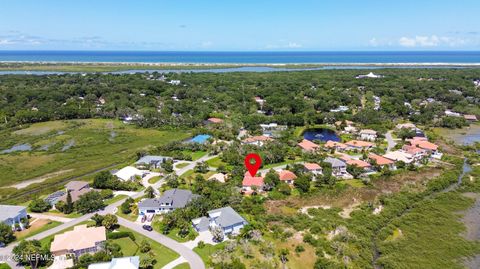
147	227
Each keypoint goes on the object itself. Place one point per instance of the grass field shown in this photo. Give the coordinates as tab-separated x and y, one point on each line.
129	247
184	265
154	180
115	199
195	154
163	255
94	144
181	165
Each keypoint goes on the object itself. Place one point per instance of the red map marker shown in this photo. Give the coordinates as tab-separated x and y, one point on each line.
253	168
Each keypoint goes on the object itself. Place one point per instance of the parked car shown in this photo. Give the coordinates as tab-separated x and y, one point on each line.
147	227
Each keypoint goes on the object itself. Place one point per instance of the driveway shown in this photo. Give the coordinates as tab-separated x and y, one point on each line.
390	142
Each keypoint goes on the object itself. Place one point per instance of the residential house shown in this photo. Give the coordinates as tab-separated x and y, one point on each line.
308	146
407	125
417	153
215	120
132	262
167	202
249	183
226	218
272	129
80	241
129	173
335	145
368	134
76	189
381	161
398	156
13	215
220	177
359	145
450	113
151	162
369	75
287	176
258	140
471	118
339	168
313	168
430	147
361	164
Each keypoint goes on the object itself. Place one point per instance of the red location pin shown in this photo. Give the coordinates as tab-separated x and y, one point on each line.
253	167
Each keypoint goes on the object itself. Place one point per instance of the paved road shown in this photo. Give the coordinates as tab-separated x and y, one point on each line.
390	142
192	258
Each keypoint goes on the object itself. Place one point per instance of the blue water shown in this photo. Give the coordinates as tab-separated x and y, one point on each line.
200	139
244	57
321	134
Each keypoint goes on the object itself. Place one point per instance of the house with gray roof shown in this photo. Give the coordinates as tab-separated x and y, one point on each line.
226	218
169	201
339	168
151	161
12	214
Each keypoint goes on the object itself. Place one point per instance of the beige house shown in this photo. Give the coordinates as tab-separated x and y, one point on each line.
81	240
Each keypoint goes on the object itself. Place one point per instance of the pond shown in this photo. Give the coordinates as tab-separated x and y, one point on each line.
465	136
22	147
322	134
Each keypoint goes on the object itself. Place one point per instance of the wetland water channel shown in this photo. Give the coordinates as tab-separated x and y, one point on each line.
473	263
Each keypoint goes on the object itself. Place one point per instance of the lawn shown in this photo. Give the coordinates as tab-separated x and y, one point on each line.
154	180
184	265
129	247
181	165
216	162
6	266
208	250
130	217
94	144
115	199
163	255
195	154
157	226
356	183
37	227
57	213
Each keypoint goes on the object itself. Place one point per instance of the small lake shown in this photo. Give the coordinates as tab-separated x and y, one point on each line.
464	136
22	147
322	134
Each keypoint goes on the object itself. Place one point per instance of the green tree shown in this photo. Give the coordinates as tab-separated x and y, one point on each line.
149	192
271	180
302	183
6	233
69	204
110	221
31	253
39	205
89	202
98	219
145	246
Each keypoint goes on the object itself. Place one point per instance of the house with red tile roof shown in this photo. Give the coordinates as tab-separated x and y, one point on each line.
335	145
381	161
250	183
417	153
359	163
215	120
430	147
258	140
313	168
287	176
359	145
470	117
81	240
308	146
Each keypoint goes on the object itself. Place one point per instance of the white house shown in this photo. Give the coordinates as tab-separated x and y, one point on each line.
169	201
128	173
368	134
226	218
12	214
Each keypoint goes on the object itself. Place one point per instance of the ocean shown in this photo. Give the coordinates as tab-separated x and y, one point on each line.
330	57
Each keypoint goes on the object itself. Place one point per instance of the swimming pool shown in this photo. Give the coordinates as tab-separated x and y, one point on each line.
200	138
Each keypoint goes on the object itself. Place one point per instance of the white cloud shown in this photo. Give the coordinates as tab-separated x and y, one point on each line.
430	41
294	45
284	45
373	42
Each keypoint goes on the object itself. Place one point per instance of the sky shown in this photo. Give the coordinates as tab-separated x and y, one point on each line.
240	25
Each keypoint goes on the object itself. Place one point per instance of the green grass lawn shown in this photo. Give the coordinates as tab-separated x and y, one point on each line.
154	180
129	247
356	183
163	255
216	162
184	265
130	217
181	165
208	250
57	213
6	266
195	154
93	148
115	199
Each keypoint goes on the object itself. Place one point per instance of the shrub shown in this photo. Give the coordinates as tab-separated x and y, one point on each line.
118	235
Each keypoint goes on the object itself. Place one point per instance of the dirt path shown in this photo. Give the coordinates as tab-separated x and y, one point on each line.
39	179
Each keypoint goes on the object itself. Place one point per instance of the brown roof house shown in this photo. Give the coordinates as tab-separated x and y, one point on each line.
76	189
81	240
